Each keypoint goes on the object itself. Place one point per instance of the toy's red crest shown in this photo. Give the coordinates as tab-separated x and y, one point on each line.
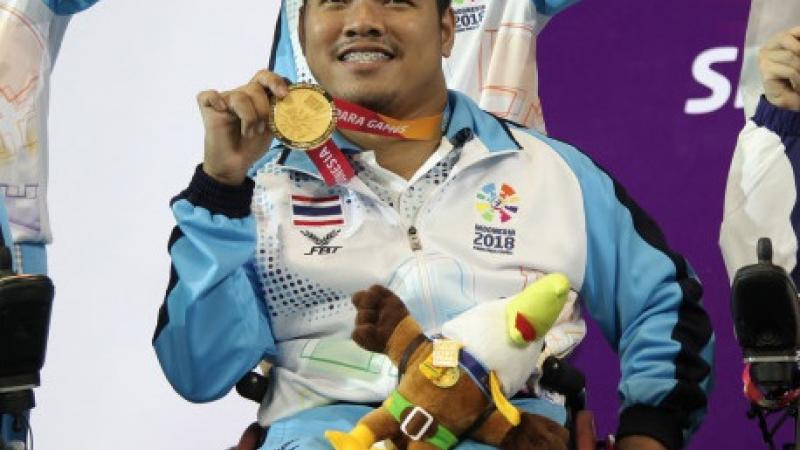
525	328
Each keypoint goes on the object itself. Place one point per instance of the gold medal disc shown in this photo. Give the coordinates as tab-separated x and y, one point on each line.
443	377
305	118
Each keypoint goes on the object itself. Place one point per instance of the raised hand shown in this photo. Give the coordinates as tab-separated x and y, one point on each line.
779	62
236	122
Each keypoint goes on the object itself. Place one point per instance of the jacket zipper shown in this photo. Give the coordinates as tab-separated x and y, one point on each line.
413	239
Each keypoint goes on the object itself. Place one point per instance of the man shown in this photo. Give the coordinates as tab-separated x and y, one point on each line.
468	214
493	59
494	62
761	195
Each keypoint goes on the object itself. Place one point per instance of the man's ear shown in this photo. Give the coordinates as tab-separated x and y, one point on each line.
448	27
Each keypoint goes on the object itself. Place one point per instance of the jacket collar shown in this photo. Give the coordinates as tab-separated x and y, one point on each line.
467	120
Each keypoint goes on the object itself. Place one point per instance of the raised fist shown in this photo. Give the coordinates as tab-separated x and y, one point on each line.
379	311
236	122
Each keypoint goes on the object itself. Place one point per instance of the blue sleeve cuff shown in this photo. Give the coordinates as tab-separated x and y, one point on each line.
782	122
657	423
217	198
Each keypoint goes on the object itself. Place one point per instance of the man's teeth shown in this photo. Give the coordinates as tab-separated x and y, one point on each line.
365	56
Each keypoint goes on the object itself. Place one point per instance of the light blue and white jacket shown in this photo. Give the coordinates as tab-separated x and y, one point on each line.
266	270
493	60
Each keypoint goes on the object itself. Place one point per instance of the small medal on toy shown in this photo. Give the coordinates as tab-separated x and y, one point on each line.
305	118
445	352
443	377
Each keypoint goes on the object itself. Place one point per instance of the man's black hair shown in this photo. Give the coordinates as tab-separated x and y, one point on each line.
442	5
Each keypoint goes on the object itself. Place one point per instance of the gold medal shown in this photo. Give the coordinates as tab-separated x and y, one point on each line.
305	118
443	377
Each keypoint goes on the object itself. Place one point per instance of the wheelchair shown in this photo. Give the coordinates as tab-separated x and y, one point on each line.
766	319
557	376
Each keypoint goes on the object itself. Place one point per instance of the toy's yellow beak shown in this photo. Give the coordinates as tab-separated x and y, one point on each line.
531	313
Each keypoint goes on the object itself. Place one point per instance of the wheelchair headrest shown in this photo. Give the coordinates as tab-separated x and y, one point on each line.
765	308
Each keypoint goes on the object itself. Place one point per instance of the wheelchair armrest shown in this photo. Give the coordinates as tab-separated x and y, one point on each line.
253	386
558	376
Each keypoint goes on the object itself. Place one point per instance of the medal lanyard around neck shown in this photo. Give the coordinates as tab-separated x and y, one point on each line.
331	162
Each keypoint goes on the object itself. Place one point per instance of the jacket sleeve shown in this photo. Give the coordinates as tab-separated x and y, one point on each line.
67	7
213	326
647	301
761	193
552	7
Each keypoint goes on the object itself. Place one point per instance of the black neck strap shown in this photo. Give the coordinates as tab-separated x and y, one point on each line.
410	348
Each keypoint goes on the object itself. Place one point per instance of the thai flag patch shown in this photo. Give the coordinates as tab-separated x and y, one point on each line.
317	211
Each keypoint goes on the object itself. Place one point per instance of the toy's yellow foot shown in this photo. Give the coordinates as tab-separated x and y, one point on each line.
344	441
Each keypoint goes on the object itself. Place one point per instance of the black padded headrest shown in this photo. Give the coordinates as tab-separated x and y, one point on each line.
765	308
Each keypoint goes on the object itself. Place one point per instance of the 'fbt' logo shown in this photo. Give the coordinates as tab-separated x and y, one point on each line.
318	213
322	246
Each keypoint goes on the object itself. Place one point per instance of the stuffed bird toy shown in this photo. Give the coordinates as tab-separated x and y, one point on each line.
458	384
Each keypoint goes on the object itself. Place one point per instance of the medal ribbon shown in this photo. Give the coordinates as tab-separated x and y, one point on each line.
357	118
331	162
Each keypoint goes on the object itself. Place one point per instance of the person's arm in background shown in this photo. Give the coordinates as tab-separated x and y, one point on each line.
647	301
68	7
30	224
761	193
213	325
552	7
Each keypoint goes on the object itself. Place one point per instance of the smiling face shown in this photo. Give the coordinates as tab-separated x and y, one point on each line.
381	54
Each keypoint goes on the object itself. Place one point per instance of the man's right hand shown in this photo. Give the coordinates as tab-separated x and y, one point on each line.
779	61
237	126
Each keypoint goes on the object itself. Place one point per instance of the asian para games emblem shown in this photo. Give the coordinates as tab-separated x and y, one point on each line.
497	205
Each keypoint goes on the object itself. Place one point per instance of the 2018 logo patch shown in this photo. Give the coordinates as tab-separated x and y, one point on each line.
469	14
494	240
496	206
